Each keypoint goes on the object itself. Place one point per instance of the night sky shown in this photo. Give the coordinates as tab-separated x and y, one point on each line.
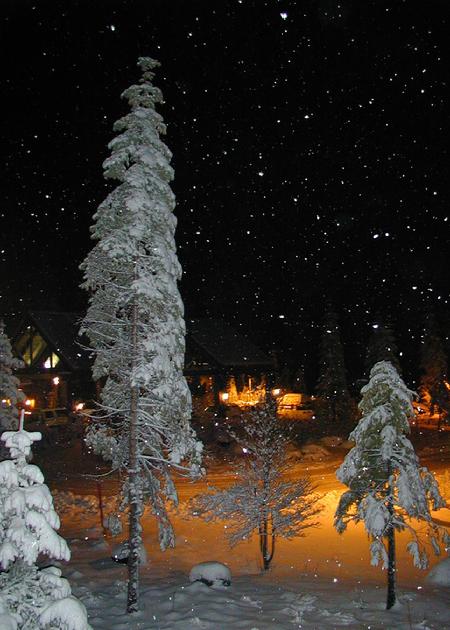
311	155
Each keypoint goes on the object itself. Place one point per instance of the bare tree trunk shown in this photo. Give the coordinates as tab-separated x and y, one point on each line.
135	538
267	551
263	543
391	595
272	551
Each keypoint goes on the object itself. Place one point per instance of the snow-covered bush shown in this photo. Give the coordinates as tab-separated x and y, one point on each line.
29	596
387	486
262	500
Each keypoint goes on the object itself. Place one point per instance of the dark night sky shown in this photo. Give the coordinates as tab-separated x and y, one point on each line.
310	144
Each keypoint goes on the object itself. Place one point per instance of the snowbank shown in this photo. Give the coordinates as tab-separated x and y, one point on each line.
440	574
211	573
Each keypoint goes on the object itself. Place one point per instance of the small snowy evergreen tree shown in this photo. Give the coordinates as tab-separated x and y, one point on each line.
135	321
334	406
33	598
9	384
387	486
262	501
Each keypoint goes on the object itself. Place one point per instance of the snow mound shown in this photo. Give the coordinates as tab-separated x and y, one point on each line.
68	612
211	573
440	574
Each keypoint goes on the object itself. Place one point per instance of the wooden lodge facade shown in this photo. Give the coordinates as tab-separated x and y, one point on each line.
57	367
221	365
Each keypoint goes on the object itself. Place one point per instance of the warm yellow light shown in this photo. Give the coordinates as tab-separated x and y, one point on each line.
30	402
224	396
276	391
56	380
79	406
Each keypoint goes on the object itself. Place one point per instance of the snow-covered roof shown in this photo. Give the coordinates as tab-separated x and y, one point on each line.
226	347
214	338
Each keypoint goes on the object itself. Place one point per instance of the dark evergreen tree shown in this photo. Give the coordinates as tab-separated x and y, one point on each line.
299	383
335	407
284	379
434	367
382	347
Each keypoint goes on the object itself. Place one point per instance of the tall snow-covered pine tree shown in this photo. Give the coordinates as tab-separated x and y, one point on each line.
135	320
387	485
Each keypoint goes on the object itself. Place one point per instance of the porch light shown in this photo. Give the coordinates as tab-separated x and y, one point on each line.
224	396
276	391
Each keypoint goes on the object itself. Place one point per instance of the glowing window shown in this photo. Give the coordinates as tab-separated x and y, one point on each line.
51	361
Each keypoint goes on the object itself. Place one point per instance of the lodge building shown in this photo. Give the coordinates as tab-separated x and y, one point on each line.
221	365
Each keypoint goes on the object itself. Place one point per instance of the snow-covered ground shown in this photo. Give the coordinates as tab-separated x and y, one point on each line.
320	581
253	602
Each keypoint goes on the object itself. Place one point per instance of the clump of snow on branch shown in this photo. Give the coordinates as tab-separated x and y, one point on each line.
27	532
386	482
262	500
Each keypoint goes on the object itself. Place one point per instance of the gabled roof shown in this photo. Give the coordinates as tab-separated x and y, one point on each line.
214	337
224	345
60	331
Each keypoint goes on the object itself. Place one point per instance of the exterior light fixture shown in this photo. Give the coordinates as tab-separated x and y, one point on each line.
55	380
224	396
276	391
